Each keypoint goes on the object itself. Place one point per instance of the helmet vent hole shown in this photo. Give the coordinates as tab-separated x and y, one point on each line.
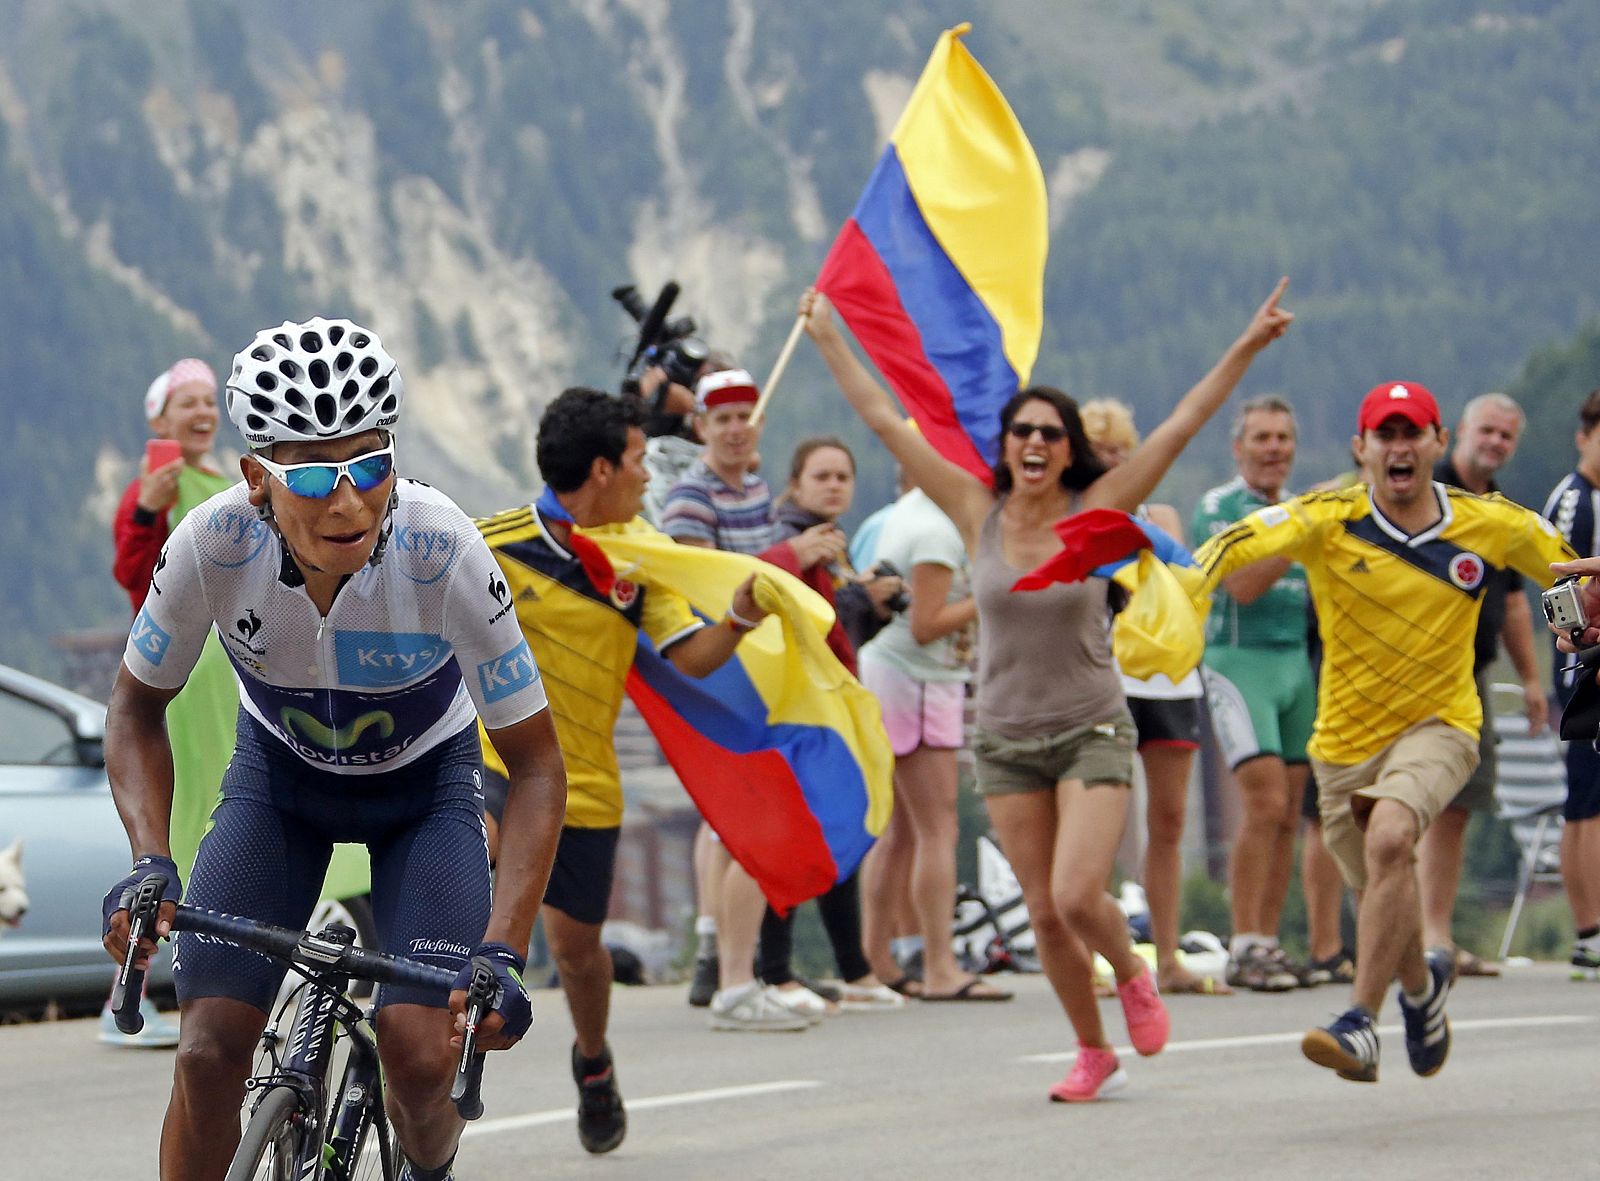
335	334
282	340
296	399
264	405
255	422
360	340
389	404
380	387
299	424
318	372
352	416
262	353
351	389
266	381
368	366
327	409
342	363
311	342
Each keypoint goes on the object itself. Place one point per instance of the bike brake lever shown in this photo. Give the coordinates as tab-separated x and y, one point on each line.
482	995
143	907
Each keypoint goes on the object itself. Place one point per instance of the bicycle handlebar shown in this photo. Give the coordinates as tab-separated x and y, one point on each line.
309	951
304	949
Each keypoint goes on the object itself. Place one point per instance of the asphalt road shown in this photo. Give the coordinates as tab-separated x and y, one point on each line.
950	1091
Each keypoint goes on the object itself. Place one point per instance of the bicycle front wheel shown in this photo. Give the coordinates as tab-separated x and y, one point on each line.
271	1143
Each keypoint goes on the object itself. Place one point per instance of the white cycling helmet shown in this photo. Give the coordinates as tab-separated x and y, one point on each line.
324	379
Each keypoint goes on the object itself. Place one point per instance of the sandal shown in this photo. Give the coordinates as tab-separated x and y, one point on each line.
1196	986
973	990
1468	964
907	985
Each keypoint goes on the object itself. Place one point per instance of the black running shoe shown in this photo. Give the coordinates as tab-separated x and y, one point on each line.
1427	1028
703	985
602	1122
1349	1046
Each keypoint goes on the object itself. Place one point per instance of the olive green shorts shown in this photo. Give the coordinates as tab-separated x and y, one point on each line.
1098	755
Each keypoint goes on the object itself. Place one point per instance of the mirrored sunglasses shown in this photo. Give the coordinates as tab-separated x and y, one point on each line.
318	480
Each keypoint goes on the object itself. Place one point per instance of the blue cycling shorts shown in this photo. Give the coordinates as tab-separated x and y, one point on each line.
272	836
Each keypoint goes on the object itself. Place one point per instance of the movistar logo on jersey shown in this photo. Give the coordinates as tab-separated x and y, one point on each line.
150	641
376	660
309	728
507	673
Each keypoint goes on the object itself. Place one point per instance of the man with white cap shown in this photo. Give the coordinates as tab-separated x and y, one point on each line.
1397	567
720	503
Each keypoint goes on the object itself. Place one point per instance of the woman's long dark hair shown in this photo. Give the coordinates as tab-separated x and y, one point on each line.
1084	469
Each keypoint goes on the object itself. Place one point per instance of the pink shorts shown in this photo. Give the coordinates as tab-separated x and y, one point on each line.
916	713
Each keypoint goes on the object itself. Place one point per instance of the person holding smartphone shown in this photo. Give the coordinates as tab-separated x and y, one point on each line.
177	473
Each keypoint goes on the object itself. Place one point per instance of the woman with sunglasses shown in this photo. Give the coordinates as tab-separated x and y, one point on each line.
370	629
1055	742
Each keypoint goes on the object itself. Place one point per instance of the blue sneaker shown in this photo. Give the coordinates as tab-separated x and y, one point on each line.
1427	1028
1348	1046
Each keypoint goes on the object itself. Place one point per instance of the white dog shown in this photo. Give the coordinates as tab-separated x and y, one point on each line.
13	896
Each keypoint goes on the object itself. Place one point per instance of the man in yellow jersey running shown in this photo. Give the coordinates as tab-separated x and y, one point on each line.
1397	567
583	621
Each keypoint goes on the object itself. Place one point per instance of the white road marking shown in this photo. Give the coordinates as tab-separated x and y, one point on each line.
563	1115
1289	1039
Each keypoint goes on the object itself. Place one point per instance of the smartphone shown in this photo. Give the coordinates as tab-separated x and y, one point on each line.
160	452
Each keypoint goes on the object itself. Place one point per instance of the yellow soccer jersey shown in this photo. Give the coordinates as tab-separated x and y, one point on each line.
584	644
1396	614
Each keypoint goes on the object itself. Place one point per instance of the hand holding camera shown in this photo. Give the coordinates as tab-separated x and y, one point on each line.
888	589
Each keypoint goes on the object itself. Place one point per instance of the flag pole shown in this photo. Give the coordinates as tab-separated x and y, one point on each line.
778	367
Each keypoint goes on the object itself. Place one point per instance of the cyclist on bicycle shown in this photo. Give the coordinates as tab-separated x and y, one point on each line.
361	615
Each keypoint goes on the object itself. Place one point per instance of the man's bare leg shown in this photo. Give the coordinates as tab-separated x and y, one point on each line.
1439	856
1389	925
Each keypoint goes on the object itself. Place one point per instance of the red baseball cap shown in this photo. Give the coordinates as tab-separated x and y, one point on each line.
1406	399
728	385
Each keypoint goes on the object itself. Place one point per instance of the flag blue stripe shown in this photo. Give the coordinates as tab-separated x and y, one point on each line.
960	336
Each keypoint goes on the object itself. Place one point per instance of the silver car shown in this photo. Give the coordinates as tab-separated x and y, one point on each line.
55	797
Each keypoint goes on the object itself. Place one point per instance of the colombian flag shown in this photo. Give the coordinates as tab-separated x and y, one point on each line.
940	270
1161	629
782	749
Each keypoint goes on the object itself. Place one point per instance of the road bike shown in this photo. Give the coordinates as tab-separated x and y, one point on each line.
299	1127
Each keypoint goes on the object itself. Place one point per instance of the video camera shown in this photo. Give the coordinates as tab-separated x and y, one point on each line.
671	344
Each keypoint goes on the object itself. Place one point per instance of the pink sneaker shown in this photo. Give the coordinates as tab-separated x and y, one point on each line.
1148	1023
1094	1074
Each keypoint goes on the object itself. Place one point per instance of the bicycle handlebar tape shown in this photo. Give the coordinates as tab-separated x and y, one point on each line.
143	903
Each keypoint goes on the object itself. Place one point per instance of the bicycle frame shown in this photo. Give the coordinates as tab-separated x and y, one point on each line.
322	1015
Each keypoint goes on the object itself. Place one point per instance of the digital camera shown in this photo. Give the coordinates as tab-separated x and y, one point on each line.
1563	606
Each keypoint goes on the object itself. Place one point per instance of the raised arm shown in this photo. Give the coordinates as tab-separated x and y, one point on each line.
962	496
1128	484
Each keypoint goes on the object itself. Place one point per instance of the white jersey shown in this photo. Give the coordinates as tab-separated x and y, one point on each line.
412	651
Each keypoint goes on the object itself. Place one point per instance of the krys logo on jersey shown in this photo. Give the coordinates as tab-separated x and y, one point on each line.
429	553
383	660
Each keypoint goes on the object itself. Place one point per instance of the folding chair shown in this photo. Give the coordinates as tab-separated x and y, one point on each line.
1530	789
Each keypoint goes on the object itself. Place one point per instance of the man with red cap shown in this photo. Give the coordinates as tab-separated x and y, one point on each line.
1397	566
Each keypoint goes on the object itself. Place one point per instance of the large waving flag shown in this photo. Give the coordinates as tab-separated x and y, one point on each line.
782	749
1161	629
940	270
